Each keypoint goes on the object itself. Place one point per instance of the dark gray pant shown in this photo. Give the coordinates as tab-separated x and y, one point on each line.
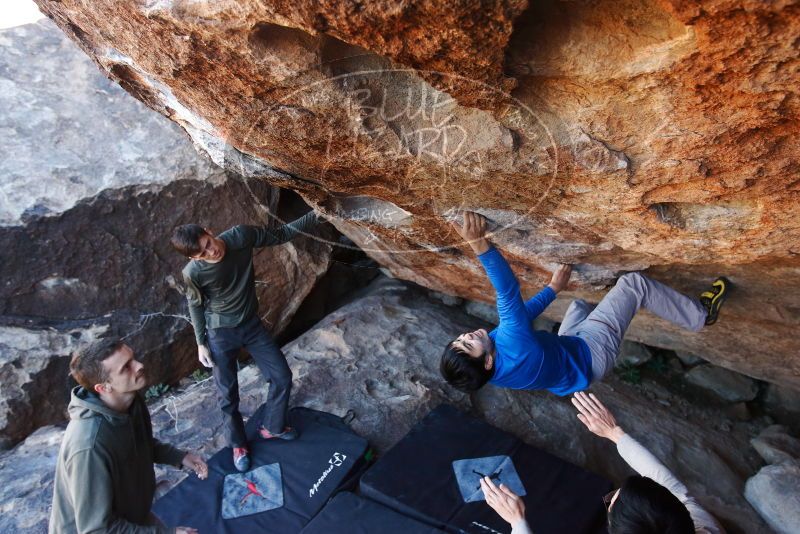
225	344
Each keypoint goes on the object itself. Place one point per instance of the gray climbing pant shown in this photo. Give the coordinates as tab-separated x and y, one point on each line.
603	327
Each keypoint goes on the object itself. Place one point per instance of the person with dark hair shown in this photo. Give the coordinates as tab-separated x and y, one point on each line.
654	501
513	355
186	239
104	478
221	291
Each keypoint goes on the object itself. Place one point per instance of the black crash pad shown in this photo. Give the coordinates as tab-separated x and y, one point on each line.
348	513
417	477
309	470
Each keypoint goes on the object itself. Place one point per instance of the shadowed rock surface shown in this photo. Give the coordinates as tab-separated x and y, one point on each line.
785	404
775	445
378	357
27	473
93	185
617	136
34	373
723	383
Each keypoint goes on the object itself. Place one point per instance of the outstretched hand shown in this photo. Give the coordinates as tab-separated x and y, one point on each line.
597	418
505	502
560	278
473	231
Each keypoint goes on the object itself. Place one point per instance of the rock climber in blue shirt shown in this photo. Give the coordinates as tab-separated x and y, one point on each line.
516	356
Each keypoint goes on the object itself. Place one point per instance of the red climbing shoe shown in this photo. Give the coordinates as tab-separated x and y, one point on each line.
288	434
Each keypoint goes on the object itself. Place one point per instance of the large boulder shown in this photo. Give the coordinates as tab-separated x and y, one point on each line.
688	359
784	404
34	371
93	184
723	383
633	354
774	492
776	445
607	154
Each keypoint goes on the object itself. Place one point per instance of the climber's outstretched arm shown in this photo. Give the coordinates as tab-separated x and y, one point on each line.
510	307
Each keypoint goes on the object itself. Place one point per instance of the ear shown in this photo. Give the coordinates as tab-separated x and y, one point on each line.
100	388
487	364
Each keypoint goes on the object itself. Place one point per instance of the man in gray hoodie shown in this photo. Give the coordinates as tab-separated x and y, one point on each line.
104	474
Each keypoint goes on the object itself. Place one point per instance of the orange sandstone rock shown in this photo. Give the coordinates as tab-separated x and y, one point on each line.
617	135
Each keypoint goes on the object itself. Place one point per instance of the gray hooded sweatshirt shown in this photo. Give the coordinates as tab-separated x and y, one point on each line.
104	476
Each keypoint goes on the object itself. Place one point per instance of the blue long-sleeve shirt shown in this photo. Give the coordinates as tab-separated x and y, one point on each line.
526	358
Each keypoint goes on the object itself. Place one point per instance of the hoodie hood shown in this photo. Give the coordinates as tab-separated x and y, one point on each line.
85	404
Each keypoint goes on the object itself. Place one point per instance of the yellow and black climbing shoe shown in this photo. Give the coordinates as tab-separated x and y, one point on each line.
712	300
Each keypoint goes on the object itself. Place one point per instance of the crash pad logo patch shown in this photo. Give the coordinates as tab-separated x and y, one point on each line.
499	468
253	492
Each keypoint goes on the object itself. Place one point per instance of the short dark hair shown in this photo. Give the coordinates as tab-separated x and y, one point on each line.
186	239
86	366
462	371
645	506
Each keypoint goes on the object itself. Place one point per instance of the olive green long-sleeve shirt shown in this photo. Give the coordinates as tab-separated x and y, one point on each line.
223	294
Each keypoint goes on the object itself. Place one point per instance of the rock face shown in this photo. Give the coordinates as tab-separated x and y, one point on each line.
784	403
642	135
773	492
378	358
93	186
34	371
723	383
775	445
689	359
631	353
27	476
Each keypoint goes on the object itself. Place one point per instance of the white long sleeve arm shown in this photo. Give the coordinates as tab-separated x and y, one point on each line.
647	465
521	527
